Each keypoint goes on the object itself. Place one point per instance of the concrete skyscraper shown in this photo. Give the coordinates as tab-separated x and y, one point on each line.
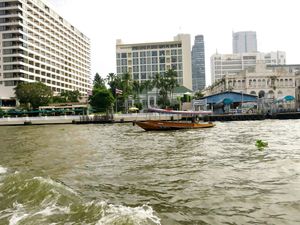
144	60
244	42
39	45
198	63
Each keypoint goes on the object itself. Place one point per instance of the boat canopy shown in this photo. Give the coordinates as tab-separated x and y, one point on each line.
170	111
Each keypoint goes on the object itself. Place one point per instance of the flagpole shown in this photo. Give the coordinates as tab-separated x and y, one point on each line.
116	102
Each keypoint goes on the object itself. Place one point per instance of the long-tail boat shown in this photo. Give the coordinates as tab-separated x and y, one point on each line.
158	125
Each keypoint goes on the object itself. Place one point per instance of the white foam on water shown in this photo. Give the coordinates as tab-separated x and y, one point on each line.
18	215
54	183
138	215
2	170
53	209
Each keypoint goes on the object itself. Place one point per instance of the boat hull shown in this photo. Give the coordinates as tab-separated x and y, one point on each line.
154	125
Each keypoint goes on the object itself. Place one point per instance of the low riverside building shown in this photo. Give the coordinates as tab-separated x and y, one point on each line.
260	81
295	69
269	84
39	45
227	102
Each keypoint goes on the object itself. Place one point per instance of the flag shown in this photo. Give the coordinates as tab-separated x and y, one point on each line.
119	91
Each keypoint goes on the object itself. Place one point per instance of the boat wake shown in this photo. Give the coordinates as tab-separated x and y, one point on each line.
38	200
2	170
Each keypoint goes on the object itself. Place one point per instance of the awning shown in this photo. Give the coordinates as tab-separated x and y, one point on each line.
289	98
286	98
225	101
132	109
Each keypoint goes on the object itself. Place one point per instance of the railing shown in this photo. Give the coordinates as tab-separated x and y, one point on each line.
42	118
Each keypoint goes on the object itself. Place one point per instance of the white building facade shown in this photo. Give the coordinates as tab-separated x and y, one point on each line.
38	45
144	60
261	81
223	64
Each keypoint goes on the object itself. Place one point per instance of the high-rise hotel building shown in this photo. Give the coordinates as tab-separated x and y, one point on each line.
38	45
144	60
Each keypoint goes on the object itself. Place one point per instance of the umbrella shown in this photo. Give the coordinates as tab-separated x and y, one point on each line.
133	109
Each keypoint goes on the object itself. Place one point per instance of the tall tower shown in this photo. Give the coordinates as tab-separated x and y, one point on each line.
198	63
244	42
38	45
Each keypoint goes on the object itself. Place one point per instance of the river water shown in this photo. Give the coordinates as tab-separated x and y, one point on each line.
119	174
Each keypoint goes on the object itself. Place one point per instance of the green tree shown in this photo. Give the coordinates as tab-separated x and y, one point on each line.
71	96
58	99
114	81
172	83
136	89
198	95
2	113
126	86
101	100
98	82
156	82
148	86
33	95
163	100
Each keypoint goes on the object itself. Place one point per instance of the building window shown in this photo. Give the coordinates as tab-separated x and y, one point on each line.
162	67
136	76
154	60
143	60
143	76
143	54
154	53
135	61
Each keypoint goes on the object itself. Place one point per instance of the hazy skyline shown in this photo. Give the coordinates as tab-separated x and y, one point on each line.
136	21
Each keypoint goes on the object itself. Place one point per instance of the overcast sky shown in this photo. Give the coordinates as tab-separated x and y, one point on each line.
276	23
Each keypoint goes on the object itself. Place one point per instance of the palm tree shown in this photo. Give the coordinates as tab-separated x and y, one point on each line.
156	82
114	82
136	88
98	82
171	76
147	85
126	88
163	91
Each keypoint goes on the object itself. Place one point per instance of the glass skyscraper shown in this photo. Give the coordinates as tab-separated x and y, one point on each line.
198	63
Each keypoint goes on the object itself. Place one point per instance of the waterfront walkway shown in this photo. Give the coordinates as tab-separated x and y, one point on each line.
132	117
78	119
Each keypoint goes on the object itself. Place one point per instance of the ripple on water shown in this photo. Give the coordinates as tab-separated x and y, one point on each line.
211	176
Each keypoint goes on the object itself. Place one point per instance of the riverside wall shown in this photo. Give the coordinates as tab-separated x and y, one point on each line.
132	117
53	120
